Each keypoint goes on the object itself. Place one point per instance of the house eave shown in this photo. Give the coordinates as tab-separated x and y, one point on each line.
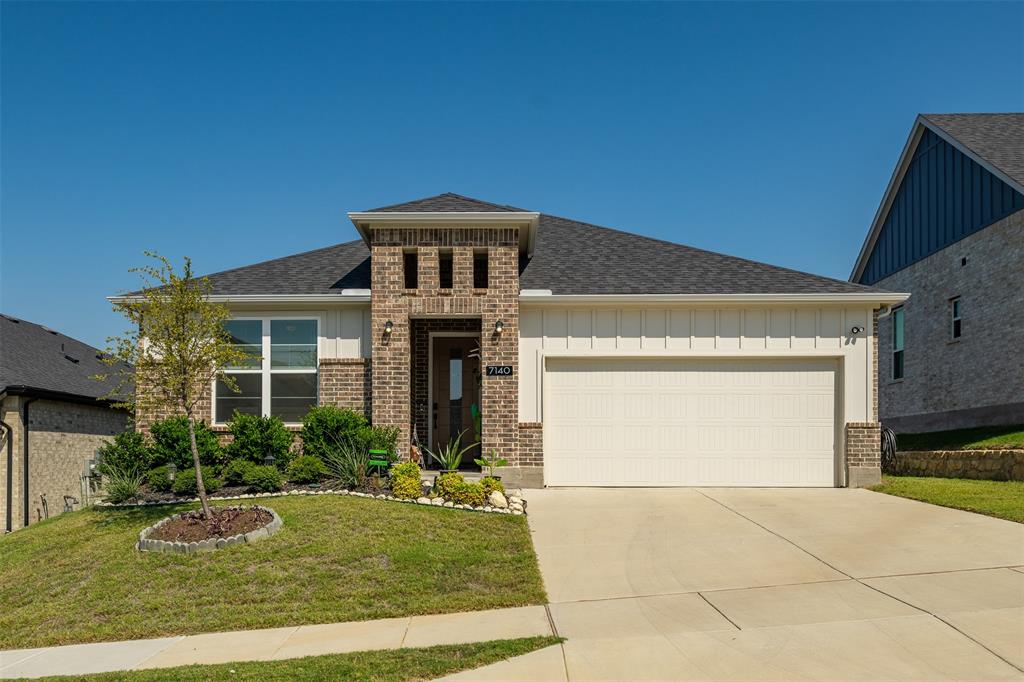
365	220
873	298
358	296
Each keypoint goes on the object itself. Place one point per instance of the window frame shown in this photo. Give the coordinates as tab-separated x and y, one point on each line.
265	369
898	311
956	319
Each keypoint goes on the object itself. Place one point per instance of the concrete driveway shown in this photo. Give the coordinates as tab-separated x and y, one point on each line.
741	584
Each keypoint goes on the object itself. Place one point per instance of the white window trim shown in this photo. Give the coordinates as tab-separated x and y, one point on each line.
265	370
955	317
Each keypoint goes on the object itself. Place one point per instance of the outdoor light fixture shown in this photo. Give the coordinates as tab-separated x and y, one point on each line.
388	327
171	471
857	330
499	326
269	459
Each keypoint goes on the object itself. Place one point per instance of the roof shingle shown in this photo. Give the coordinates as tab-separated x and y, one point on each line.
996	138
446	203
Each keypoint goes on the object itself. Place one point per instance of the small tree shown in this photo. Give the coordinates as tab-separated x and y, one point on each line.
177	347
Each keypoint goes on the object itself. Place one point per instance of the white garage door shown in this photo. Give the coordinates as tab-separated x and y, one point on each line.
686	422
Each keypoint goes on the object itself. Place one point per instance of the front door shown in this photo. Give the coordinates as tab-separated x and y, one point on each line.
455	391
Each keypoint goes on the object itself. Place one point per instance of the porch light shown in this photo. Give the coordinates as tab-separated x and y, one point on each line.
388	327
857	330
499	326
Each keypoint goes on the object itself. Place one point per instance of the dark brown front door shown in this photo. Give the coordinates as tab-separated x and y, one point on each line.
455	390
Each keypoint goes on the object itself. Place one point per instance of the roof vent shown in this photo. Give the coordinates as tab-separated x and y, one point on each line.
12	319
68	357
49	330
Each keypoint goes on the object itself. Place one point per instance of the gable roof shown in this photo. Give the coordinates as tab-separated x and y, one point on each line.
995	141
35	359
446	203
570	258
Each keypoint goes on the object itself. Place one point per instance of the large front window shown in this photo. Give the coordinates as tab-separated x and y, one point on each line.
282	381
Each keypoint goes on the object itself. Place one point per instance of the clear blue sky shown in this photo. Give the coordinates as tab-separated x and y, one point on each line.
235	133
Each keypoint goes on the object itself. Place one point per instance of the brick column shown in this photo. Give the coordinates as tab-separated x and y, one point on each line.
390	366
863	454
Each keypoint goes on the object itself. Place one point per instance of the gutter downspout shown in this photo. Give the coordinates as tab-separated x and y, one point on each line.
10	470
24	427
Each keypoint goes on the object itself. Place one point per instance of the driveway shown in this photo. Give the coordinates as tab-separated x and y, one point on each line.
776	584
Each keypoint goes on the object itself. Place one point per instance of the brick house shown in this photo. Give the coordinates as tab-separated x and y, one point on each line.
950	231
589	355
52	420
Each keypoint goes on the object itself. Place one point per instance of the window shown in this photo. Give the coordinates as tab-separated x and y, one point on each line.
411	270
954	317
897	343
282	381
480	270
445	269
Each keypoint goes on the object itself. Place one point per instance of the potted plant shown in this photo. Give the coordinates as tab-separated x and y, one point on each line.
449	456
491	463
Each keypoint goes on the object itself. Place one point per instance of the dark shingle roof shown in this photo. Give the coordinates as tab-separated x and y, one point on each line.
570	257
447	202
37	358
996	138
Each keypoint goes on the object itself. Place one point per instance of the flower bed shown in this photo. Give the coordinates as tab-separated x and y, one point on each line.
190	532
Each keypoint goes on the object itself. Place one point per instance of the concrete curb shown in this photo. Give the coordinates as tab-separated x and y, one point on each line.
145	544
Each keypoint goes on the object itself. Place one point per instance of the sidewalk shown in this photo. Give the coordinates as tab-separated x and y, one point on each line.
277	643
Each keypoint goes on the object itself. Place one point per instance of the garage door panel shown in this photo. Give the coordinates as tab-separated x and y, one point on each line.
667	422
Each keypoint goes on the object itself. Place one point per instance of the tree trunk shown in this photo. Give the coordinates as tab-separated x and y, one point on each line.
200	486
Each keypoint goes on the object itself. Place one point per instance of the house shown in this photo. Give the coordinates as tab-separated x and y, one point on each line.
593	356
950	231
53	417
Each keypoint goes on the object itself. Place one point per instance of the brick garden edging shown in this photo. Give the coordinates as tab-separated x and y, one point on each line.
145	544
516	504
993	465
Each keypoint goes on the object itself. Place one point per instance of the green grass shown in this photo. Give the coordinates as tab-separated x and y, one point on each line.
78	578
1002	499
380	666
987	437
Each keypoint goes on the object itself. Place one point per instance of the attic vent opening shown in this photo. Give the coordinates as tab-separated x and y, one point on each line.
446	272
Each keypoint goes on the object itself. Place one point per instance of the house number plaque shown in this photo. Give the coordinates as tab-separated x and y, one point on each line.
499	370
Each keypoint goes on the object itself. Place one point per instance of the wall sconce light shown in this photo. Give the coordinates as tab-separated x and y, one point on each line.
857	330
499	326
389	326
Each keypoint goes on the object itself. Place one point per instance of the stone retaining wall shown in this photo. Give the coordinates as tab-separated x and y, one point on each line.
994	465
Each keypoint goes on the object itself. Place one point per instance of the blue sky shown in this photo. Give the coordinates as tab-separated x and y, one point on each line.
235	133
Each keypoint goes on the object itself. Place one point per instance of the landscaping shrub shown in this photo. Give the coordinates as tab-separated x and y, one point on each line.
454	488
346	464
256	437
327	427
171	444
234	473
128	453
306	469
405	481
446	483
380	438
490	484
185	481
121	485
264	479
159	479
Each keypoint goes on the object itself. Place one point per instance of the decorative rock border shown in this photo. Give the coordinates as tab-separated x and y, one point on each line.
515	503
145	544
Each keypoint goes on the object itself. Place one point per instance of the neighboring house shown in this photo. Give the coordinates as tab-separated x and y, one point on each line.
950	231
595	357
52	420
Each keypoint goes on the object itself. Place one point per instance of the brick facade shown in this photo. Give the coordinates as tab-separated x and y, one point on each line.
345	382
863	447
978	379
63	436
531	444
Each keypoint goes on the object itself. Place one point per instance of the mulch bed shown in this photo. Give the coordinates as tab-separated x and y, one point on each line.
226	521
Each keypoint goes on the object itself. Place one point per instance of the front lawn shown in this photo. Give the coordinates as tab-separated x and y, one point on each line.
1002	499
986	437
77	577
380	666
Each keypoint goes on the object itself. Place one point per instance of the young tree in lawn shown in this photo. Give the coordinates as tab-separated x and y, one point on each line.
176	348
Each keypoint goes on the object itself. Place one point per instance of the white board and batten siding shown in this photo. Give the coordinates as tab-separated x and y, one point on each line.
694	396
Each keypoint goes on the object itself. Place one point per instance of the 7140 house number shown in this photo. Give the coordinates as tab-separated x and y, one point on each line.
499	370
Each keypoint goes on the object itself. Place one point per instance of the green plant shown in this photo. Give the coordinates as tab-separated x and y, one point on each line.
306	469
450	456
454	488
171	443
159	479
121	484
491	463
346	464
128	452
406	470
490	484
256	438
185	481
235	471
446	483
325	427
406	488
380	438
264	479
